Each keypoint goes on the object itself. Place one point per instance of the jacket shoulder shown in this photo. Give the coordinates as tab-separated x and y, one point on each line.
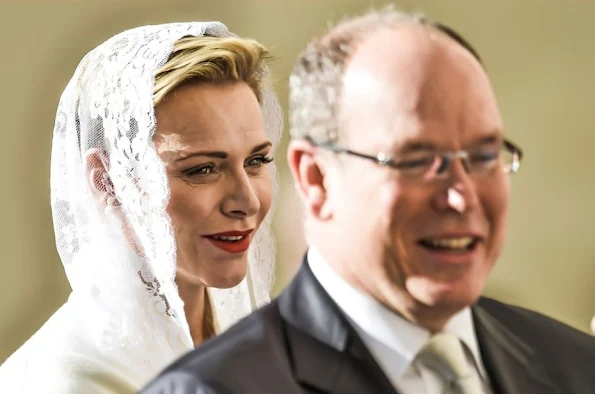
233	361
540	330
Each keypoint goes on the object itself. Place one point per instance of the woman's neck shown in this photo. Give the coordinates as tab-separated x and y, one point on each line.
194	298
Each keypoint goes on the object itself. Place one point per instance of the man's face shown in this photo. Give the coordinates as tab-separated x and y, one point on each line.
425	243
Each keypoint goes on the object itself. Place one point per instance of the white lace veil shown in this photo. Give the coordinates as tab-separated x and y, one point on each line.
128	302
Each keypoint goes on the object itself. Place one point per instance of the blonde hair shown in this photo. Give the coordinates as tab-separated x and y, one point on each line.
212	60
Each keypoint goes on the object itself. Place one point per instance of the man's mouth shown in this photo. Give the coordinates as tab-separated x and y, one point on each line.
450	244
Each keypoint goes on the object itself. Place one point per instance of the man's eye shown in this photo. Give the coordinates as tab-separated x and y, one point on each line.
415	163
485	157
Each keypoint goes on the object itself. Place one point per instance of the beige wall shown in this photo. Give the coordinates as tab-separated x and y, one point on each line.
539	54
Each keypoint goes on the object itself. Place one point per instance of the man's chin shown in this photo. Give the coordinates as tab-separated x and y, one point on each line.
453	296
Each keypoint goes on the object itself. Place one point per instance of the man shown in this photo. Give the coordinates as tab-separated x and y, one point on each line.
399	156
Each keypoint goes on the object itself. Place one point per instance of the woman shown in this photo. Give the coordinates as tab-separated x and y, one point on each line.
160	189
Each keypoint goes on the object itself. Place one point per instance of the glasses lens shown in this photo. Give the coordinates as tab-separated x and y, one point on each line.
417	165
510	161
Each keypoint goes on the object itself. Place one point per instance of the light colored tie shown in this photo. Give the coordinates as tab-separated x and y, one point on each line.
444	354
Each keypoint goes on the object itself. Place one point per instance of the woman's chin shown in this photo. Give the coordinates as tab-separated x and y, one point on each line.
227	280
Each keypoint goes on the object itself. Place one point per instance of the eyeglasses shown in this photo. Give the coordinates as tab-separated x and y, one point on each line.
431	165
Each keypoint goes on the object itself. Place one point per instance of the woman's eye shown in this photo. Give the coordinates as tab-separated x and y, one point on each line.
258	161
200	170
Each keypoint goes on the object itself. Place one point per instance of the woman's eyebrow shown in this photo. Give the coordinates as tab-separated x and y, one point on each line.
221	154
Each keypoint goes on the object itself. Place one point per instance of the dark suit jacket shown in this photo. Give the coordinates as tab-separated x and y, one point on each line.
302	343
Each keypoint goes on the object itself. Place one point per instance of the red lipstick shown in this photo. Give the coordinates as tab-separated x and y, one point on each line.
231	241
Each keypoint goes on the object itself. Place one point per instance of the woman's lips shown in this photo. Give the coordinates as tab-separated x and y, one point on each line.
231	241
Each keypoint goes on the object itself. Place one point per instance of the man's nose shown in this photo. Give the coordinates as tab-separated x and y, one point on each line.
456	200
448	161
460	195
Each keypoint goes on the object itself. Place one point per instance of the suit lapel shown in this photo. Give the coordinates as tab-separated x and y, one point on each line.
328	356
326	353
512	365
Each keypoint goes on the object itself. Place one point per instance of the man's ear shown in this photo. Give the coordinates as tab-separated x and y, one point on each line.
97	175
308	173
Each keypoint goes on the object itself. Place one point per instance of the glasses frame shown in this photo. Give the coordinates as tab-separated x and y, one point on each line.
385	160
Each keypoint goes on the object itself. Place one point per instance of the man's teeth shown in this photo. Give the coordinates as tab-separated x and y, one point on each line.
228	237
451	243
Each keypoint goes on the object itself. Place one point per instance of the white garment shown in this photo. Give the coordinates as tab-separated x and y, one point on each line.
393	341
124	320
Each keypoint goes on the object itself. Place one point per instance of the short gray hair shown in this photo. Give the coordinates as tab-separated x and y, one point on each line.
316	80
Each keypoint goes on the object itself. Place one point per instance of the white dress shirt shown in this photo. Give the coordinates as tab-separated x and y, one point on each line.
393	341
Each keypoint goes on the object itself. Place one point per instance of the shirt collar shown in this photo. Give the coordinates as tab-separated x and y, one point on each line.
379	324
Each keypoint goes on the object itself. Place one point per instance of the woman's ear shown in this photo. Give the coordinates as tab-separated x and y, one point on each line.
97	176
308	173
101	185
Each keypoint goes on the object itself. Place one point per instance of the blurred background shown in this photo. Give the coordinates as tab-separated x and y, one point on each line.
541	60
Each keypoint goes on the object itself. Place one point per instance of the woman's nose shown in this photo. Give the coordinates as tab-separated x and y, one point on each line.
241	200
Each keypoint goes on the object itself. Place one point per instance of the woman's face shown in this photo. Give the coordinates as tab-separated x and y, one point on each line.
212	141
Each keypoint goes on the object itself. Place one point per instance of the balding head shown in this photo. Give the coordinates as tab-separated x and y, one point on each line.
410	74
317	79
